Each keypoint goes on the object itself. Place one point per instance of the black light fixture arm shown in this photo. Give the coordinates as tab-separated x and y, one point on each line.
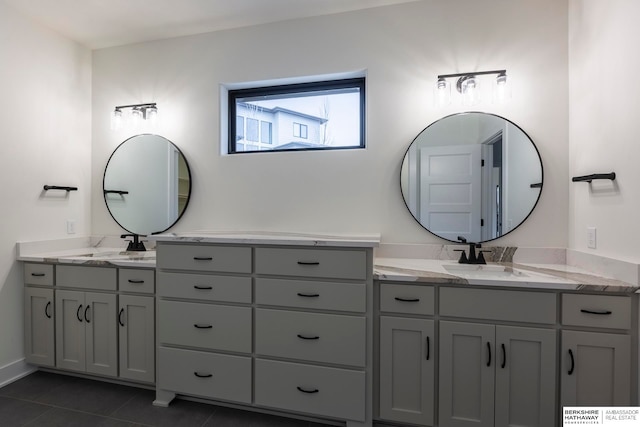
476	73
145	105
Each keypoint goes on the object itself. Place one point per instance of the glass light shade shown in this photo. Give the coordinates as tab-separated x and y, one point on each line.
152	115
470	89
501	89
116	119
136	117
442	93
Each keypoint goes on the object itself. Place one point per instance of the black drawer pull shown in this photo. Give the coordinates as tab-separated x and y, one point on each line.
120	317
78	313
573	363
202	326
199	375
308	295
407	299
602	313
203	258
38	274
504	356
135	281
308	263
489	351
46	310
202	288
428	345
85	313
315	390
308	338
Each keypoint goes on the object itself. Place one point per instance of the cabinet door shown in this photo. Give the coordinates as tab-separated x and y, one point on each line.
407	370
595	369
101	333
39	326
467	375
137	333
70	339
525	377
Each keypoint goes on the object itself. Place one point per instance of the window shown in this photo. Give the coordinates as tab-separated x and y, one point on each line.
325	115
300	130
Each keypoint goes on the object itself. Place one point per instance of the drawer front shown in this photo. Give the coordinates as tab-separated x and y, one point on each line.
530	307
215	327
315	337
312	294
227	259
100	278
217	376
136	280
331	392
336	264
598	311
205	287
407	299
38	274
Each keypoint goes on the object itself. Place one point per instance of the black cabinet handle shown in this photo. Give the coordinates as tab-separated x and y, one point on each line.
136	281
602	313
202	288
78	313
489	352
308	338
407	299
315	390
203	258
504	356
85	313
428	345
308	295
46	310
38	274
199	375
308	263
120	317
573	362
202	326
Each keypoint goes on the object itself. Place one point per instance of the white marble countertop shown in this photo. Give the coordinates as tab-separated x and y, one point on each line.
521	275
271	238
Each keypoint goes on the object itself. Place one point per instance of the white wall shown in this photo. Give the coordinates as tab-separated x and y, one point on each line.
403	48
45	120
605	112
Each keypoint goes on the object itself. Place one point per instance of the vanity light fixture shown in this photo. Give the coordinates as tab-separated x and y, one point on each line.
468	86
139	112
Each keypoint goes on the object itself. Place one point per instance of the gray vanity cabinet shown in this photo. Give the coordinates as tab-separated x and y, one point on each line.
86	333
39	326
595	365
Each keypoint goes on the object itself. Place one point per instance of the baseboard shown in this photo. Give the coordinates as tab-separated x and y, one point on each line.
14	371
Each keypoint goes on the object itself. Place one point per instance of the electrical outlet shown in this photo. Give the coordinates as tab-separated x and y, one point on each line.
71	226
591	237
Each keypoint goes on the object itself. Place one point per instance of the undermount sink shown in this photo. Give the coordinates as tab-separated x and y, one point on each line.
484	271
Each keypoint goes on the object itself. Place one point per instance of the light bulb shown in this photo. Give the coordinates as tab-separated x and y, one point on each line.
152	114
116	119
136	117
470	91
442	93
501	89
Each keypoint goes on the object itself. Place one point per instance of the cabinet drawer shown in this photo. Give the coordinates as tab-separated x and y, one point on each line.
596	311
217	376
311	336
331	392
312	294
99	278
205	287
38	274
136	280
228	259
338	264
407	299
216	327
530	307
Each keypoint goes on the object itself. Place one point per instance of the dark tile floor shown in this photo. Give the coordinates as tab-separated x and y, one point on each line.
48	399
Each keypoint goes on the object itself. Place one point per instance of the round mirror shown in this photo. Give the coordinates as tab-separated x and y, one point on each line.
472	176
147	184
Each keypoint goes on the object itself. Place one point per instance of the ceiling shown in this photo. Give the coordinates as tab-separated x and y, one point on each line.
105	23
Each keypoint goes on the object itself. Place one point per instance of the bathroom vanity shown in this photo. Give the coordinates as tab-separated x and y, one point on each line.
314	326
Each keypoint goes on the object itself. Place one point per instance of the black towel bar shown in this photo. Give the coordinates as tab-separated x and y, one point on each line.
589	178
57	187
115	192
